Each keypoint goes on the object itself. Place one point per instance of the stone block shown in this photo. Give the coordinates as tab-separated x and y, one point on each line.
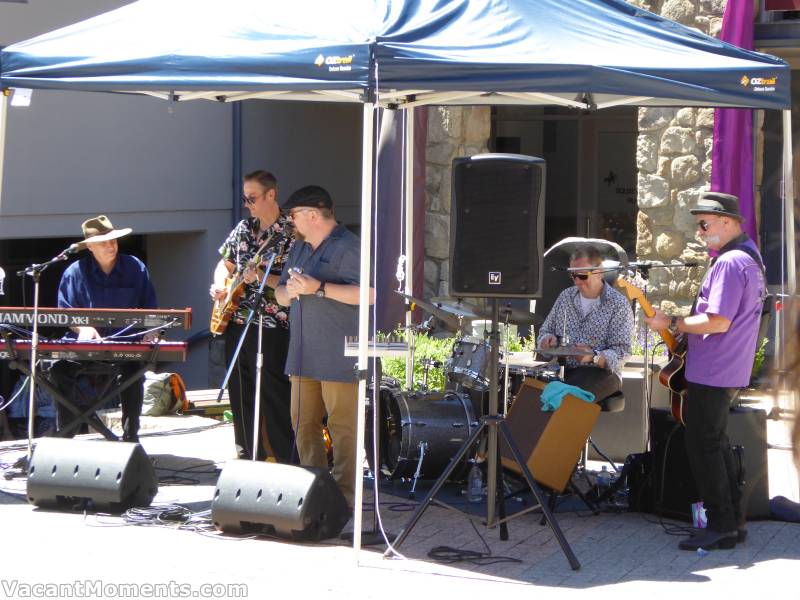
646	152
653	191
437	236
678	140
685	170
652	119
670	244
682	11
685	117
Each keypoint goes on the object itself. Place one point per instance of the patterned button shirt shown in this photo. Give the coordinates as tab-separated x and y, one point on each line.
242	245
608	328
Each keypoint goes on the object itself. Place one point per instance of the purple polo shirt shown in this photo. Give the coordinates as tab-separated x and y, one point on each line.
733	289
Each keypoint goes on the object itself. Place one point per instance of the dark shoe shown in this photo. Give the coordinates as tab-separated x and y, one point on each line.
131	438
741	535
710	540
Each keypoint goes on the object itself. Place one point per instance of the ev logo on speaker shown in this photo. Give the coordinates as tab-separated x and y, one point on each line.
495	277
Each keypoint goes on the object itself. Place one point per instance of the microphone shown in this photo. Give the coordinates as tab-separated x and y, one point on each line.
73	249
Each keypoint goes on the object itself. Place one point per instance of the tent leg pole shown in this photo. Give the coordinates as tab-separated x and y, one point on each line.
363	313
4	99
408	206
788	195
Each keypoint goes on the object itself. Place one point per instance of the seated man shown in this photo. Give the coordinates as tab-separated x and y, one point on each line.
103	279
596	318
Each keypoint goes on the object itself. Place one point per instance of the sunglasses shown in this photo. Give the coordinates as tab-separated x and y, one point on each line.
703	225
249	201
296	211
581	276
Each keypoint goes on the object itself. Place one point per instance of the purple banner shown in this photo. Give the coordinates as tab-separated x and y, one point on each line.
732	153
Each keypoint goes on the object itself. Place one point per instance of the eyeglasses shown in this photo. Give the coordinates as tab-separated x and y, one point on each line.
703	225
296	211
249	200
581	276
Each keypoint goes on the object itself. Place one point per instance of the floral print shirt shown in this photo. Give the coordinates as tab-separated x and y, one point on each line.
241	246
607	328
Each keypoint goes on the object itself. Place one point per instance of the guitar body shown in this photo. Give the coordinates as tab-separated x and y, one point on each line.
673	377
224	308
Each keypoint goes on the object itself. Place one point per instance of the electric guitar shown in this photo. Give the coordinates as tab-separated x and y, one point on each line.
224	307
672	375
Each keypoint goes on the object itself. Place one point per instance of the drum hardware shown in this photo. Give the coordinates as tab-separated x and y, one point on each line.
495	424
427	363
422	447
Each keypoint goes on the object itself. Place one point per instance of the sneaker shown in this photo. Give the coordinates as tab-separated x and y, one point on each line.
710	540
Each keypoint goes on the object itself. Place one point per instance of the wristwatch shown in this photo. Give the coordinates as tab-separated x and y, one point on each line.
596	358
673	324
320	293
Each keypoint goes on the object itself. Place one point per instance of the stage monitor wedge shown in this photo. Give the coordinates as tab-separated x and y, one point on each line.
67	474
497	226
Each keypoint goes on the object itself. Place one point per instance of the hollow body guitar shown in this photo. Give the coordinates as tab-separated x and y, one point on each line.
224	308
672	375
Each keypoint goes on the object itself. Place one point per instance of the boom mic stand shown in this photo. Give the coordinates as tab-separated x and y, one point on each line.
259	356
493	421
35	271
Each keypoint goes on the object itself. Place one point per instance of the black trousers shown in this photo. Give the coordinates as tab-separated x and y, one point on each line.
711	459
276	389
65	376
601	382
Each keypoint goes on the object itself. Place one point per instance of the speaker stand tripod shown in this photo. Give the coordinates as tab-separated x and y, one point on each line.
493	423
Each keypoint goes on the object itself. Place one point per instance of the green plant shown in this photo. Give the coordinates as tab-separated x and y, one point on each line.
761	353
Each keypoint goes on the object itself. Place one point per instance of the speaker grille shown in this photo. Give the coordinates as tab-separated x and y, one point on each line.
496	225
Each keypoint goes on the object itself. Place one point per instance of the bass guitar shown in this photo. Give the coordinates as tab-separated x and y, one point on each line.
672	375
224	307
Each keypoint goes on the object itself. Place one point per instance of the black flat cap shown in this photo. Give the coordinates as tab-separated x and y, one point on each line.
717	203
312	196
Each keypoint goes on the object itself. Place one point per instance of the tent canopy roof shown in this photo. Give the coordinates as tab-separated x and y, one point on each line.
583	53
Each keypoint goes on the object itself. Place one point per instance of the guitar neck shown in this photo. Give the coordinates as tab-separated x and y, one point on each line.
634	293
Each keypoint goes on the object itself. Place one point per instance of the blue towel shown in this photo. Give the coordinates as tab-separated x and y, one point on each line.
555	391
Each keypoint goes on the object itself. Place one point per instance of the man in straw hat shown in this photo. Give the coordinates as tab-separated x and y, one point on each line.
722	332
104	279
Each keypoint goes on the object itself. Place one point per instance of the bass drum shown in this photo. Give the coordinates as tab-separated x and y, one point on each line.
429	427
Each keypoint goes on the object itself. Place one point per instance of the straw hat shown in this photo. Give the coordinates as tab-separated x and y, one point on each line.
100	229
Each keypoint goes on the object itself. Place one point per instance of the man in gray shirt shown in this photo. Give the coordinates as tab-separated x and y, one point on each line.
320	282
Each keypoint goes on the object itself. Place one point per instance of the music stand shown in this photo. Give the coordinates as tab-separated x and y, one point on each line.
493	422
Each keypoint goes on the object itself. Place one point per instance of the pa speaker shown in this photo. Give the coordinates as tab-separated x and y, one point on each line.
497	226
297	503
672	488
550	442
112	476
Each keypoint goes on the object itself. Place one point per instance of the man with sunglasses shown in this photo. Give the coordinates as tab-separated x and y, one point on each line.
321	283
264	232
722	332
598	322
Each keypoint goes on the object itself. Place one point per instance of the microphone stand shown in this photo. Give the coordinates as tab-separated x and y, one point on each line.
259	355
35	271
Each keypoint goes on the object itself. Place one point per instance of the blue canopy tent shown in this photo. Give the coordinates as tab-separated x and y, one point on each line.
586	54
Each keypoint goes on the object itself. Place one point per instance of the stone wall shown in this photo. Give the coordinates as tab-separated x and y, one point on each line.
452	131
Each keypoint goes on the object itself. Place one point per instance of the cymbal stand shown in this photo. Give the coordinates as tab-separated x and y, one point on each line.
492	422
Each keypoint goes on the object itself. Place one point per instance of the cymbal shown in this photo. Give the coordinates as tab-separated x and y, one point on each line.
459	309
519	317
449	319
564	351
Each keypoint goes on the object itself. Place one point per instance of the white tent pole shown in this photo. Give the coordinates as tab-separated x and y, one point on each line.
4	95
408	205
788	199
363	313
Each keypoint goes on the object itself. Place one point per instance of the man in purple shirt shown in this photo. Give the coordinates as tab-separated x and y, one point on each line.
722	332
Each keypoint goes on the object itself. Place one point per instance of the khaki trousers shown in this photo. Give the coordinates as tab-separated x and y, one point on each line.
311	401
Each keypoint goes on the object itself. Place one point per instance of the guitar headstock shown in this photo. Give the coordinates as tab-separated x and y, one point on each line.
630	289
